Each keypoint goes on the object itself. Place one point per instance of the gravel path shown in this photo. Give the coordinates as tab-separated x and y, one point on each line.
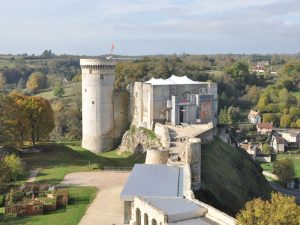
33	174
107	208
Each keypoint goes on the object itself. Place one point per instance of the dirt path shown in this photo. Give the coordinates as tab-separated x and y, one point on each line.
107	208
32	175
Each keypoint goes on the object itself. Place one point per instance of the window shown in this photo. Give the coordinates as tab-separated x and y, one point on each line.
93	102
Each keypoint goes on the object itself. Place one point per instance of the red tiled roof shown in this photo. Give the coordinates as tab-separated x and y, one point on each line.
280	140
268	126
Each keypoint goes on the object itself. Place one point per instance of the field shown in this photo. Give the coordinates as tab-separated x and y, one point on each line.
57	160
296	158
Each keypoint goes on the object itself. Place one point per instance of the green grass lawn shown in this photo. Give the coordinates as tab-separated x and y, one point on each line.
57	160
83	196
296	158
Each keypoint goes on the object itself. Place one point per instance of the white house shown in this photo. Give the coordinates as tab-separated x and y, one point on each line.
254	117
291	136
264	128
278	144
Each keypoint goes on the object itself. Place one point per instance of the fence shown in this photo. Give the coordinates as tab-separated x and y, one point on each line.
118	169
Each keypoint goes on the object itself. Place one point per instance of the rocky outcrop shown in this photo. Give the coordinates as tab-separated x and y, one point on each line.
138	140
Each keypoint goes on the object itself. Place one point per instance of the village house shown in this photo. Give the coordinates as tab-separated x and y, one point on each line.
250	148
254	117
291	136
264	128
278	144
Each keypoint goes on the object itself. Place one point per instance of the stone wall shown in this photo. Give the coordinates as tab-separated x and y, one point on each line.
157	156
162	132
147	212
121	114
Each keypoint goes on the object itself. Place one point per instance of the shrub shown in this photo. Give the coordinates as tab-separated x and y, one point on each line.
15	166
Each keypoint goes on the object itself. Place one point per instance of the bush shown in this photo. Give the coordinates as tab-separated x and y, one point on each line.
2	200
15	166
284	169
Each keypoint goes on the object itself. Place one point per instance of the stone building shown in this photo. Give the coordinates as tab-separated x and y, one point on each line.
177	100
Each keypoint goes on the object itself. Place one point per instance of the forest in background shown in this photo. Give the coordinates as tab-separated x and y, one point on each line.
275	92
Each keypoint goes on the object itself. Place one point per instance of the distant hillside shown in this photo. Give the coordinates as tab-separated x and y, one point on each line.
230	178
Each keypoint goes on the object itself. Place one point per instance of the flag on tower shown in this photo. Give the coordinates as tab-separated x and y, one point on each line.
112	46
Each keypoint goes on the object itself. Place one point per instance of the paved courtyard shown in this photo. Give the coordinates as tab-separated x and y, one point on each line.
107	208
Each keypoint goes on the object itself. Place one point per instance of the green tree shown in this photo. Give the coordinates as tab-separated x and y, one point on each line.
285	121
14	165
297	123
4	175
266	149
222	119
268	117
262	102
58	89
281	210
284	169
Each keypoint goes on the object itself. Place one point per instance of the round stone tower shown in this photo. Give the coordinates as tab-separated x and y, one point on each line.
98	77
157	156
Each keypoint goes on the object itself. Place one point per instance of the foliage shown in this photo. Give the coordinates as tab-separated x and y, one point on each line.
14	196
281	210
24	117
4	175
15	166
285	121
58	89
36	81
266	149
284	169
2	80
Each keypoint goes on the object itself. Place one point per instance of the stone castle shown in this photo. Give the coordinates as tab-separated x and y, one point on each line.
106	114
182	113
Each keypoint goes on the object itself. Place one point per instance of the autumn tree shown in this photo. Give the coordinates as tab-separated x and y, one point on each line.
284	169
40	114
2	80
280	210
36	81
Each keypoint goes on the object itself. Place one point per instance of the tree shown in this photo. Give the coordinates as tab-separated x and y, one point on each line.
269	117
284	169
58	89
297	123
262	102
2	80
4	175
41	118
281	210
266	149
285	121
222	119
14	165
36	81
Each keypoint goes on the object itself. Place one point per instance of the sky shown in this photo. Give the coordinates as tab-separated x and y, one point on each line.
88	27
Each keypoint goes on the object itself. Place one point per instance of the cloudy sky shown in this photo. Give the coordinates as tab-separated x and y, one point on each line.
150	26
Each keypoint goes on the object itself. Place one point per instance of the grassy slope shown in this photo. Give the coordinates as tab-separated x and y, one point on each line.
296	158
58	160
230	178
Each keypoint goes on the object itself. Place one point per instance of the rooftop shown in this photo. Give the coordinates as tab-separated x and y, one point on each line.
265	125
148	180
173	80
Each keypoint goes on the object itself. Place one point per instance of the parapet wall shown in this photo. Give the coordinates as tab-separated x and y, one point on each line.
162	133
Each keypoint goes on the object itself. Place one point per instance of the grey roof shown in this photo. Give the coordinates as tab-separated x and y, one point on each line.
148	180
177	208
198	221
